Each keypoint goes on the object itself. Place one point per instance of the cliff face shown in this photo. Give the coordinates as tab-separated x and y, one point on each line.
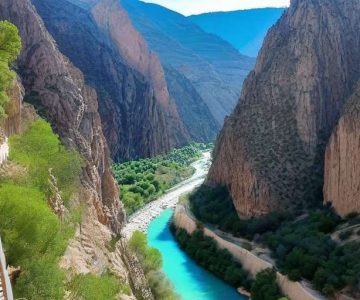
134	123
58	88
113	19
271	150
342	157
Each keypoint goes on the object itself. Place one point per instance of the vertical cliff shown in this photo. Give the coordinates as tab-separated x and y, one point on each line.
342	157
113	19
134	123
58	88
270	152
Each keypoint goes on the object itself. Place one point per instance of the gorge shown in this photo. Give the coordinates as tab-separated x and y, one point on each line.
108	172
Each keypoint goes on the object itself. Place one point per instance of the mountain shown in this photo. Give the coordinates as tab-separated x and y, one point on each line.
212	66
271	151
138	116
244	29
48	79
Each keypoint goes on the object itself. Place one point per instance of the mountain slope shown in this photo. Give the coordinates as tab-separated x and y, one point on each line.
271	150
213	66
133	120
244	29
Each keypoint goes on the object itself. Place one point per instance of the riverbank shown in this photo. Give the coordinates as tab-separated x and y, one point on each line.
250	262
140	219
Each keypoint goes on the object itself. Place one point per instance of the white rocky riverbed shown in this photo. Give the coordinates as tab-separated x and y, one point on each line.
140	219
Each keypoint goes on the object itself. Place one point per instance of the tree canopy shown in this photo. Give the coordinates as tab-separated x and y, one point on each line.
10	46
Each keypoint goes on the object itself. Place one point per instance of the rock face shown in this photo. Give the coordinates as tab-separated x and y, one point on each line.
342	157
113	19
58	88
135	123
214	68
270	152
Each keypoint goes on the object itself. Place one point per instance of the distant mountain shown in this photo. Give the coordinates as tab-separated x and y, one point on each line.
201	68
244	29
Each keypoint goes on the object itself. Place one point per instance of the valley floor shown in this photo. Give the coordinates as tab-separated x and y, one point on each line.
141	218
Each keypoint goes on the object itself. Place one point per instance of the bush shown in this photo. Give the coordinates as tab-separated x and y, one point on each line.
39	149
265	287
10	46
151	260
93	287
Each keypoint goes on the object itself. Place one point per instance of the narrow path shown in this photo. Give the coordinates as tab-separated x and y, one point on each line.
141	219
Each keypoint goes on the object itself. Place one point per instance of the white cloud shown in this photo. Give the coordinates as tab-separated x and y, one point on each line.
189	7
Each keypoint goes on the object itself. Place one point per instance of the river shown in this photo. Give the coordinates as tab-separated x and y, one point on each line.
190	281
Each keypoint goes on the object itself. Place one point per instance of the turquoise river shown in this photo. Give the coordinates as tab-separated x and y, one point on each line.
191	282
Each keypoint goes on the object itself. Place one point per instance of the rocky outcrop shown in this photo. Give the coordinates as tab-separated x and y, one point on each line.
133	121
271	150
58	89
342	158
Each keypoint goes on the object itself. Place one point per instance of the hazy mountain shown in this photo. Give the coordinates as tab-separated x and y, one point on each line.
244	29
211	65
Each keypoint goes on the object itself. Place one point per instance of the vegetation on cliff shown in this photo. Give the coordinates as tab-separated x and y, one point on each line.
10	46
28	225
151	261
144	180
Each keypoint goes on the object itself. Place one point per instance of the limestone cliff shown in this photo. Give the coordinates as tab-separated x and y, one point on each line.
271	150
113	19
133	121
342	157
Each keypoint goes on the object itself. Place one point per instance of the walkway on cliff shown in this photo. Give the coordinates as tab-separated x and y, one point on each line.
141	219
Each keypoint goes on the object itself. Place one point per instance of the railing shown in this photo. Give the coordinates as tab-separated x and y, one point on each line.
5	285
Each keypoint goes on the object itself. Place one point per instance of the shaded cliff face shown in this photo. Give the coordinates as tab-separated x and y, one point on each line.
342	157
271	150
113	20
214	68
193	110
133	121
52	82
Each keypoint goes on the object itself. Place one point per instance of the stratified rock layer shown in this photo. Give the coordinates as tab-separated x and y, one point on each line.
271	150
342	160
57	88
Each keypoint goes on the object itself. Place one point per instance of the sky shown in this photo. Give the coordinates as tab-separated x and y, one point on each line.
191	7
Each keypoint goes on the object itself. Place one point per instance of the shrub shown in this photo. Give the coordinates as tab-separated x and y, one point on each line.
151	260
10	46
265	287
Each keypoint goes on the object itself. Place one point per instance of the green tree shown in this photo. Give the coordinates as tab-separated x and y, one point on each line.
265	286
10	46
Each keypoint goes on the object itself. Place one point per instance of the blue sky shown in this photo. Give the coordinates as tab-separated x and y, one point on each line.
189	7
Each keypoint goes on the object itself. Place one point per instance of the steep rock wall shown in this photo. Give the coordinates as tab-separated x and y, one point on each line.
271	150
113	19
133	121
342	160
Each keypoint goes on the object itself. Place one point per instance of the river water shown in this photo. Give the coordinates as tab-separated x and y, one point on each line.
190	281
